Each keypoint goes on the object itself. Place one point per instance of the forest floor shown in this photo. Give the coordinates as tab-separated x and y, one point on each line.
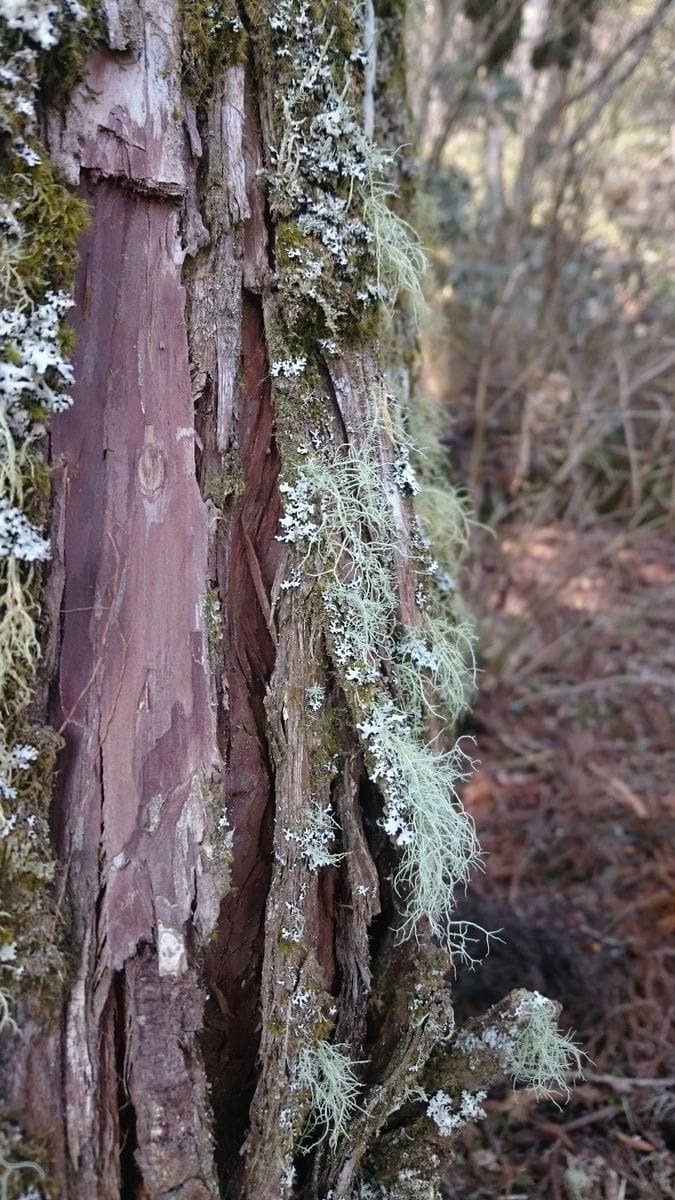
574	800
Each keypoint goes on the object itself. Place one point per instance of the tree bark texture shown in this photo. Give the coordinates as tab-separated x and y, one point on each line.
179	667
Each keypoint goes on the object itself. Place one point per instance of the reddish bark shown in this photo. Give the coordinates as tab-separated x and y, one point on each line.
247	557
131	816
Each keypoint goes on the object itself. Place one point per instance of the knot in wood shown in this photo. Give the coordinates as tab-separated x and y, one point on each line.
151	471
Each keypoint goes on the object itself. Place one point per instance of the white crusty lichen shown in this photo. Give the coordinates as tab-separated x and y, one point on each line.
40	20
449	1116
343	249
338	514
317	838
33	372
288	368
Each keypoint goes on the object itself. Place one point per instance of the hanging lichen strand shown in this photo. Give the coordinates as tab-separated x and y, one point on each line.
40	223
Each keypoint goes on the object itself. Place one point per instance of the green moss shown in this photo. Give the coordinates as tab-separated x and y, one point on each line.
213	38
287	949
60	68
340	16
213	799
29	913
51	221
67	340
25	1163
227	484
54	220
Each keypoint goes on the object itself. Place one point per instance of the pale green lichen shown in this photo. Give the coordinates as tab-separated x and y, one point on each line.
425	818
21	1173
326	1073
436	668
401	263
21	1177
525	1040
339	515
542	1056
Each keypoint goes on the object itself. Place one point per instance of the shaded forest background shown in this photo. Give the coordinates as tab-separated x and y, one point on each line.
548	156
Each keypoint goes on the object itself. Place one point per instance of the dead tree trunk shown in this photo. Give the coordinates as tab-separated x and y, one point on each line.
247	641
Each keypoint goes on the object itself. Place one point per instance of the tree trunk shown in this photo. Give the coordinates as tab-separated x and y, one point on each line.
243	1010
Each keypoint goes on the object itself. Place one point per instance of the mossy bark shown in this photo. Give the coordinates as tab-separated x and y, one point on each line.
203	949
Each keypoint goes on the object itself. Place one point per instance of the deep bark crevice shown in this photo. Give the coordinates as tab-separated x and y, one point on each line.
246	558
131	1179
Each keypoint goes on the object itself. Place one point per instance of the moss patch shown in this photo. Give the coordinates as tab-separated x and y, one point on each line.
42	223
213	38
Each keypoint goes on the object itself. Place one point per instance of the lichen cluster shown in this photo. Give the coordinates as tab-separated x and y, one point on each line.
340	247
354	504
527	1043
40	223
